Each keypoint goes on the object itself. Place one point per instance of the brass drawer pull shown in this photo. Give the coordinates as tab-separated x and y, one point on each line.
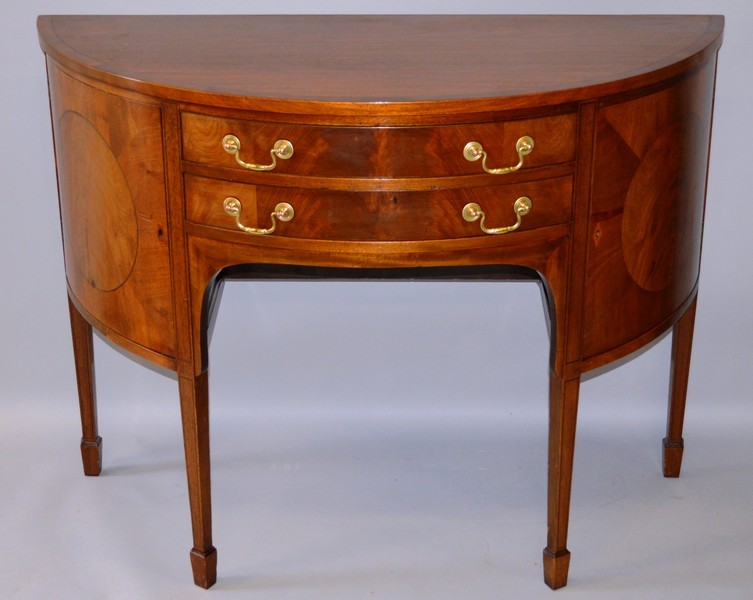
283	212
474	150
472	212
282	149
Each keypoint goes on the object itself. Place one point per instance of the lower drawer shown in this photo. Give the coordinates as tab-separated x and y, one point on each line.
376	216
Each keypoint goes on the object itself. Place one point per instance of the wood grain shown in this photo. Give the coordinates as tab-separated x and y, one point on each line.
392	152
378	216
350	63
113	212
649	192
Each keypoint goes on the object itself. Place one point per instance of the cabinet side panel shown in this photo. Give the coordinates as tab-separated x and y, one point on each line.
648	198
113	210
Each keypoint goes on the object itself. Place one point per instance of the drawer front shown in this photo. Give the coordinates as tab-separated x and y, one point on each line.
377	216
379	151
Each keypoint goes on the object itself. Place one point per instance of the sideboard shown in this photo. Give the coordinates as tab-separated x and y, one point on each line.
570	150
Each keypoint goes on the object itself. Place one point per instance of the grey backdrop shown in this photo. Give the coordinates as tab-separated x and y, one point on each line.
360	349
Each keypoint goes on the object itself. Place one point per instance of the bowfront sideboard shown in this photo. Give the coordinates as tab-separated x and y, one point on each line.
570	150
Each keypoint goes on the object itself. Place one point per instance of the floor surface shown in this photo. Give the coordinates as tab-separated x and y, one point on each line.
343	506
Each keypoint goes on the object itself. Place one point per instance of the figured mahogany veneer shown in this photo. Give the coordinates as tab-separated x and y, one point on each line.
390	152
378	111
368	215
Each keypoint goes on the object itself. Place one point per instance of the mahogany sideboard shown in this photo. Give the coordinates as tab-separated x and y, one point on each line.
572	150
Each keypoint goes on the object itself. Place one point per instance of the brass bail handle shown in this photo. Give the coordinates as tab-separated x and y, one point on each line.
282	149
473	212
282	212
474	150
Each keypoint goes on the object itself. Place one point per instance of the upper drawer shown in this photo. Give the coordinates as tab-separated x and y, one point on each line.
393	152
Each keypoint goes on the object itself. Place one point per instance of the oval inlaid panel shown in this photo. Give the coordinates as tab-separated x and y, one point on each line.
661	221
99	215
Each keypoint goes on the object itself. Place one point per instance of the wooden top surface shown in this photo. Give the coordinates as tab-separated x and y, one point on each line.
380	63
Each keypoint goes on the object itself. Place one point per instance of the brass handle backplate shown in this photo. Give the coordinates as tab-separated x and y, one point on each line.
282	212
472	212
282	149
474	150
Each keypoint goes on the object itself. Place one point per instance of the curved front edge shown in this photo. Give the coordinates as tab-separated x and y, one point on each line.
648	198
113	213
129	347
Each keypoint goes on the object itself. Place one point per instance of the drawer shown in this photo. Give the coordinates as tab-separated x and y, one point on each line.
379	151
377	216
